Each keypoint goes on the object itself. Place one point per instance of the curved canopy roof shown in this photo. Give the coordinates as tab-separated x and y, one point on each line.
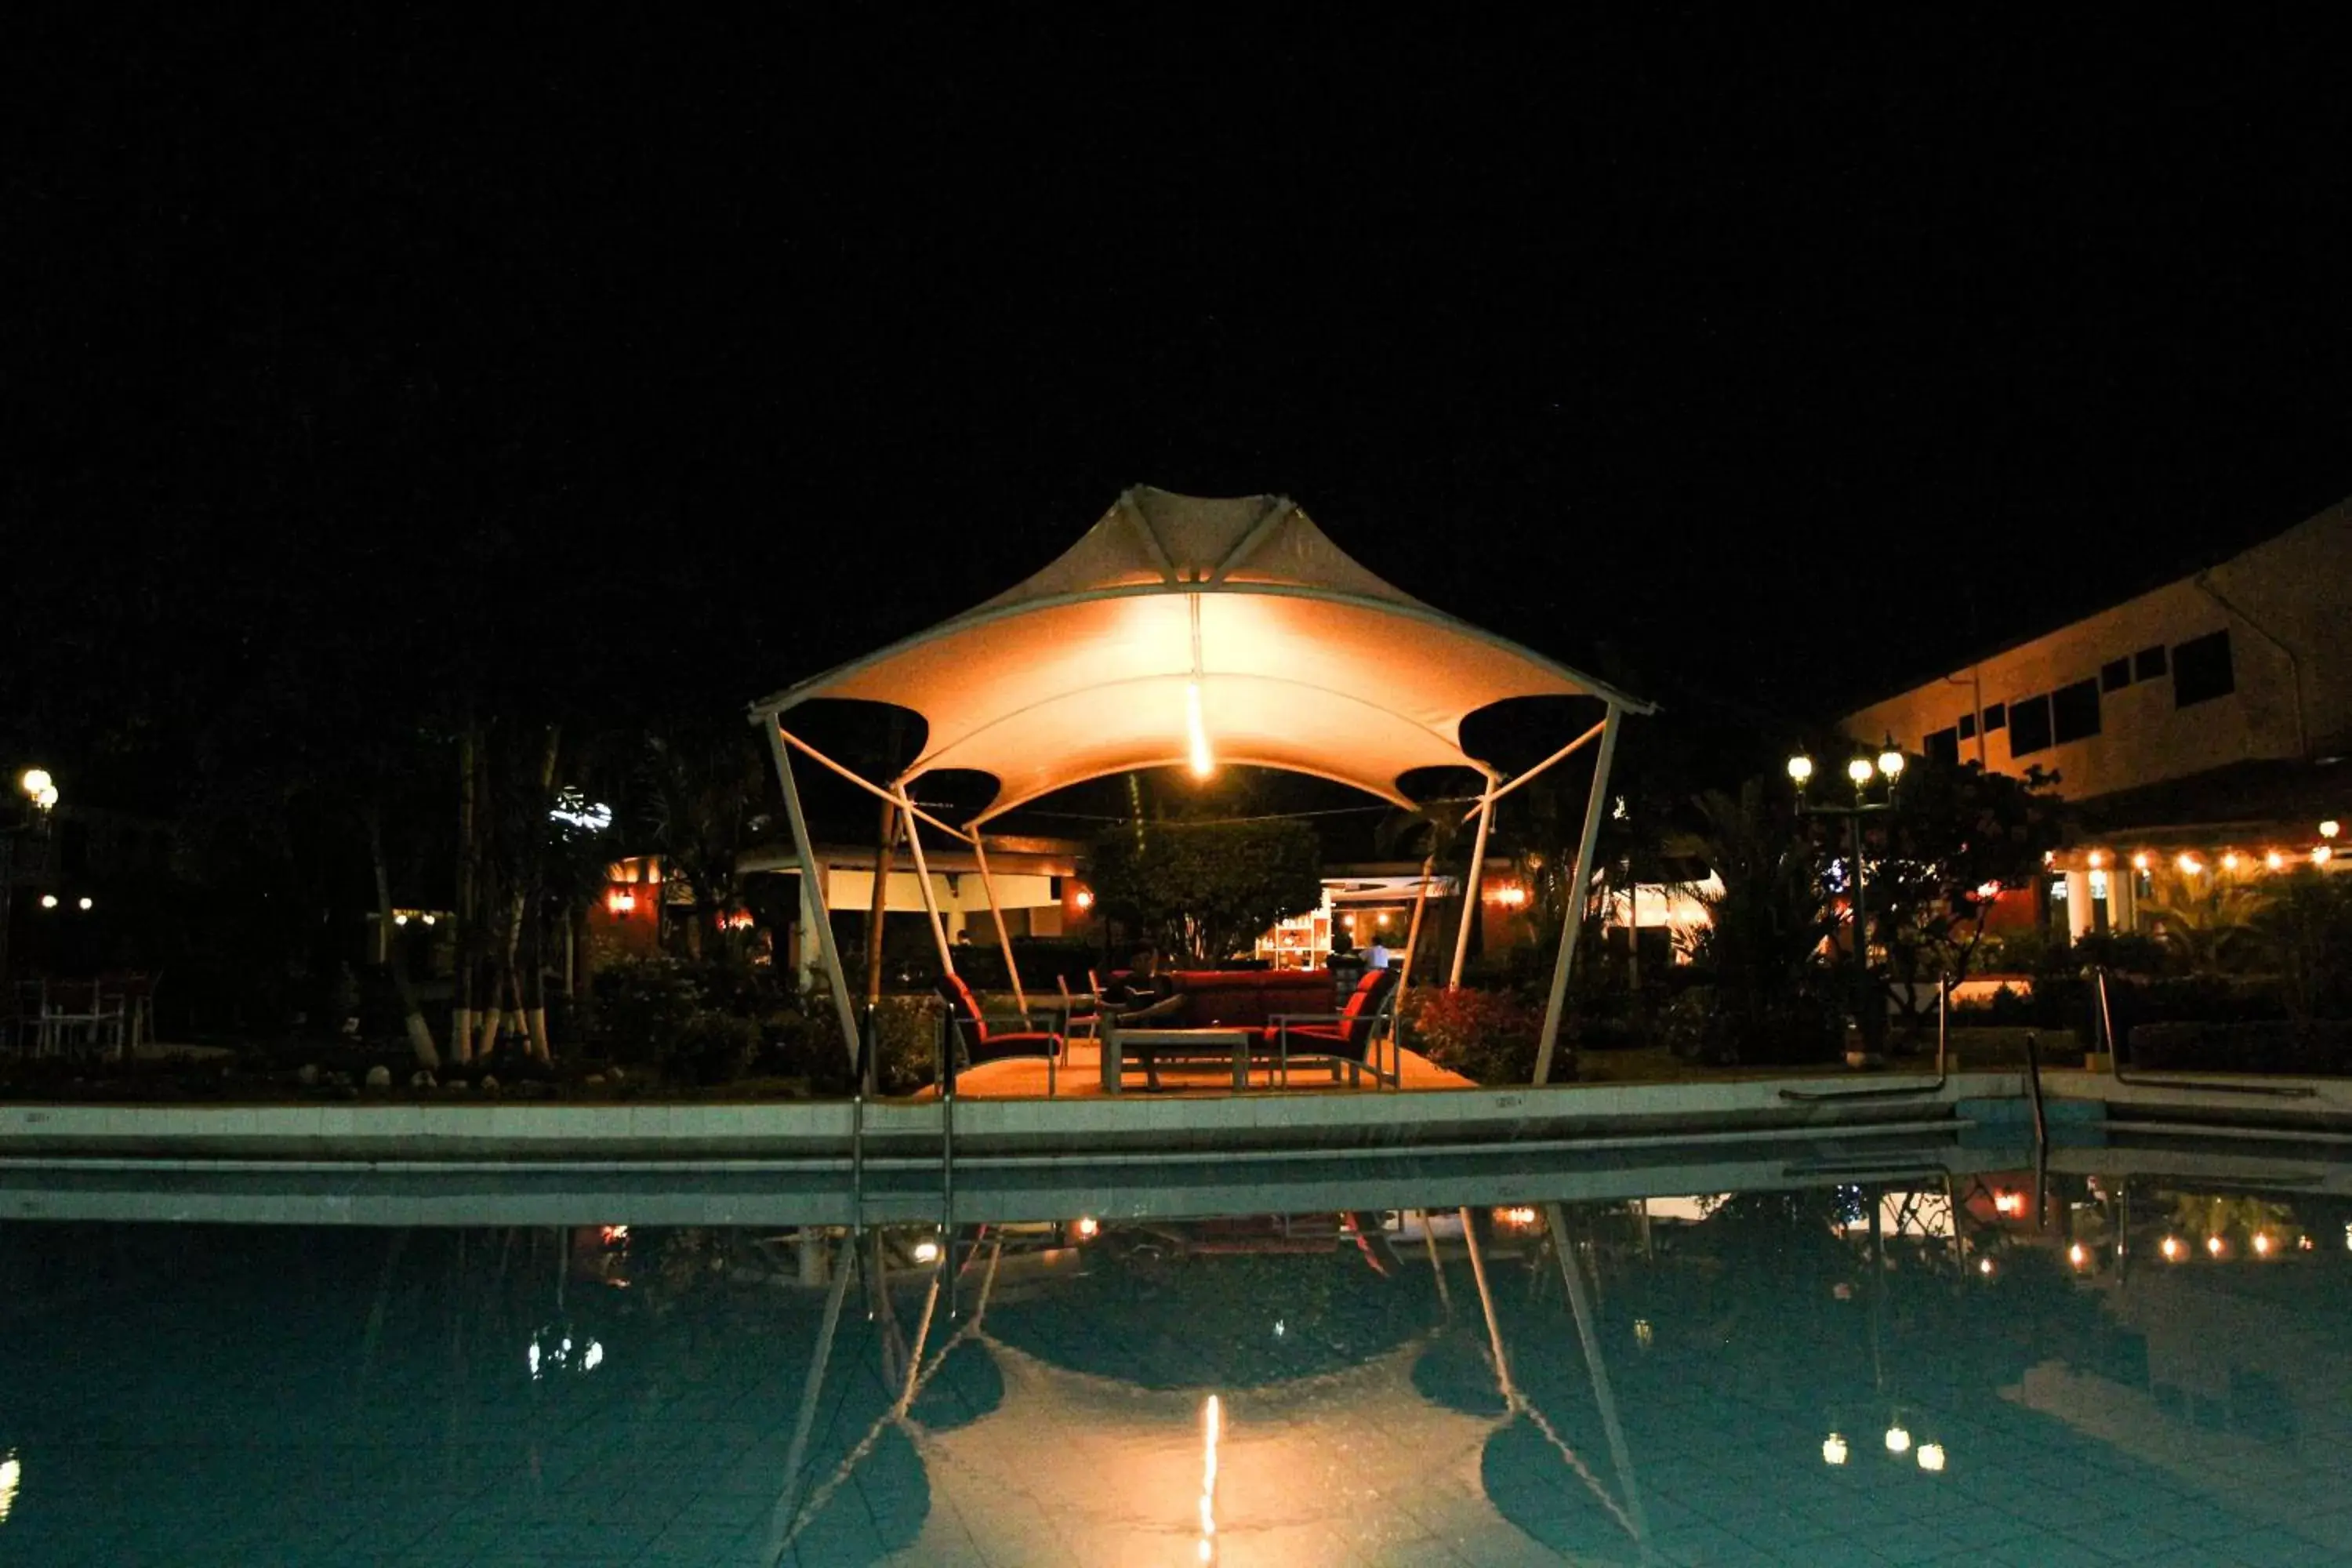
1304	660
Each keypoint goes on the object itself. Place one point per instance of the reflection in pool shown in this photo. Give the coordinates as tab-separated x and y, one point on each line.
2144	1371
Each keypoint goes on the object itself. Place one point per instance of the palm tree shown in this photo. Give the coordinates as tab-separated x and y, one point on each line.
697	796
1767	927
2207	923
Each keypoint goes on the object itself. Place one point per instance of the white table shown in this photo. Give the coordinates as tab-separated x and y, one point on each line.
1151	1044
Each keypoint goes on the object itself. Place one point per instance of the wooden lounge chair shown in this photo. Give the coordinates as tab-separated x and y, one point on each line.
1348	1038
971	1038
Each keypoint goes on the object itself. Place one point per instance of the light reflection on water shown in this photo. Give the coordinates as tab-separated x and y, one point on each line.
1962	1370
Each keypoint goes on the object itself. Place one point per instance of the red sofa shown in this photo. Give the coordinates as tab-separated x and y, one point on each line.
1248	998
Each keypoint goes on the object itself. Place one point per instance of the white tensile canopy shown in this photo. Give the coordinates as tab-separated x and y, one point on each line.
1182	631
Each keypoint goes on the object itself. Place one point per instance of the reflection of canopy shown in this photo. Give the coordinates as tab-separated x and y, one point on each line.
1352	1468
1305	660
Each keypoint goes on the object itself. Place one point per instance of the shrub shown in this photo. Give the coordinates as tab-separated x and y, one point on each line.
1488	1036
641	1007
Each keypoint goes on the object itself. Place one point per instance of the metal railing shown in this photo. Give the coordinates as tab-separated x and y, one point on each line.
1895	1090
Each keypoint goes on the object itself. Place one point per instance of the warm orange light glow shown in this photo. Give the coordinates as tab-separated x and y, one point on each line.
2077	1256
2230	861
2141	862
2216	1246
2262	1243
615	1234
1521	1216
1196	733
2330	828
2319	856
1084	899
2275	860
1089	1228
2189	864
2172	1249
620	900
1985	1266
1510	897
2098	858
2009	1202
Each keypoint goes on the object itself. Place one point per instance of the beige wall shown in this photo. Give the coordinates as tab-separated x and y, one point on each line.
2292	587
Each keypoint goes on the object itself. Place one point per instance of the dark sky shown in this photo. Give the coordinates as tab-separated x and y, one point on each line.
669	365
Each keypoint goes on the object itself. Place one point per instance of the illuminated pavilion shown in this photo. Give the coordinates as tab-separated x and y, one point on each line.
1188	632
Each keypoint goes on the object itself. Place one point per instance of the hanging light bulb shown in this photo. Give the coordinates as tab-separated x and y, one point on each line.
1196	733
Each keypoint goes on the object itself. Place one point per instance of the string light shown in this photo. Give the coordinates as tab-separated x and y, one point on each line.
1834	1450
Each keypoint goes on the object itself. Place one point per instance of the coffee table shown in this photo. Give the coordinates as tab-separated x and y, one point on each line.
1153	1045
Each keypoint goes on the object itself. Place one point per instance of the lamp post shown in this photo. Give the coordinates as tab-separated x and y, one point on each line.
1862	772
40	793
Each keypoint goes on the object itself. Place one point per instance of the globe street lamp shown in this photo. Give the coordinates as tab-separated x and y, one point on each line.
40	793
1861	772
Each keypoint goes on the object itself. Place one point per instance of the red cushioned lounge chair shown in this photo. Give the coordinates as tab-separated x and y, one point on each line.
1350	1038
976	1043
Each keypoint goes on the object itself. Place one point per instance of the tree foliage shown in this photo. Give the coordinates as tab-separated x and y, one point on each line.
1935	863
1207	890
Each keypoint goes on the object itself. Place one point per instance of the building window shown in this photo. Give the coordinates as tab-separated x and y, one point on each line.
1943	746
2029	726
2074	711
1996	717
1968	726
2114	675
2200	669
2147	663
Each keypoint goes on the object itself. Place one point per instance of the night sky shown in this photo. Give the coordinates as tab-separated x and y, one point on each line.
657	369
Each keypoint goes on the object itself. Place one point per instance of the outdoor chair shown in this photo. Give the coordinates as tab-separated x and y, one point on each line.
969	1036
137	995
1082	1014
78	1014
1349	1038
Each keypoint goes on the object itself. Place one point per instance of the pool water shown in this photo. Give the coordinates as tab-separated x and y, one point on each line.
2145	1371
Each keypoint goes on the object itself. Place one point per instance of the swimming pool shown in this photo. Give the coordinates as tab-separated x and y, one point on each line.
2146	1366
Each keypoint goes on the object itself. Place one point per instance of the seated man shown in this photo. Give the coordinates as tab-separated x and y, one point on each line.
1143	995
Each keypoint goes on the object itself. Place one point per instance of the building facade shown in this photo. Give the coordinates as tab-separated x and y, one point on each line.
2202	723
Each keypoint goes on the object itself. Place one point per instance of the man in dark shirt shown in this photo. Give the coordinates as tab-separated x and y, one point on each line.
1144	994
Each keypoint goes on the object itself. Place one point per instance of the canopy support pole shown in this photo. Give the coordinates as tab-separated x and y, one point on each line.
812	886
1004	941
1579	888
1413	935
869	786
1471	885
923	876
1561	756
